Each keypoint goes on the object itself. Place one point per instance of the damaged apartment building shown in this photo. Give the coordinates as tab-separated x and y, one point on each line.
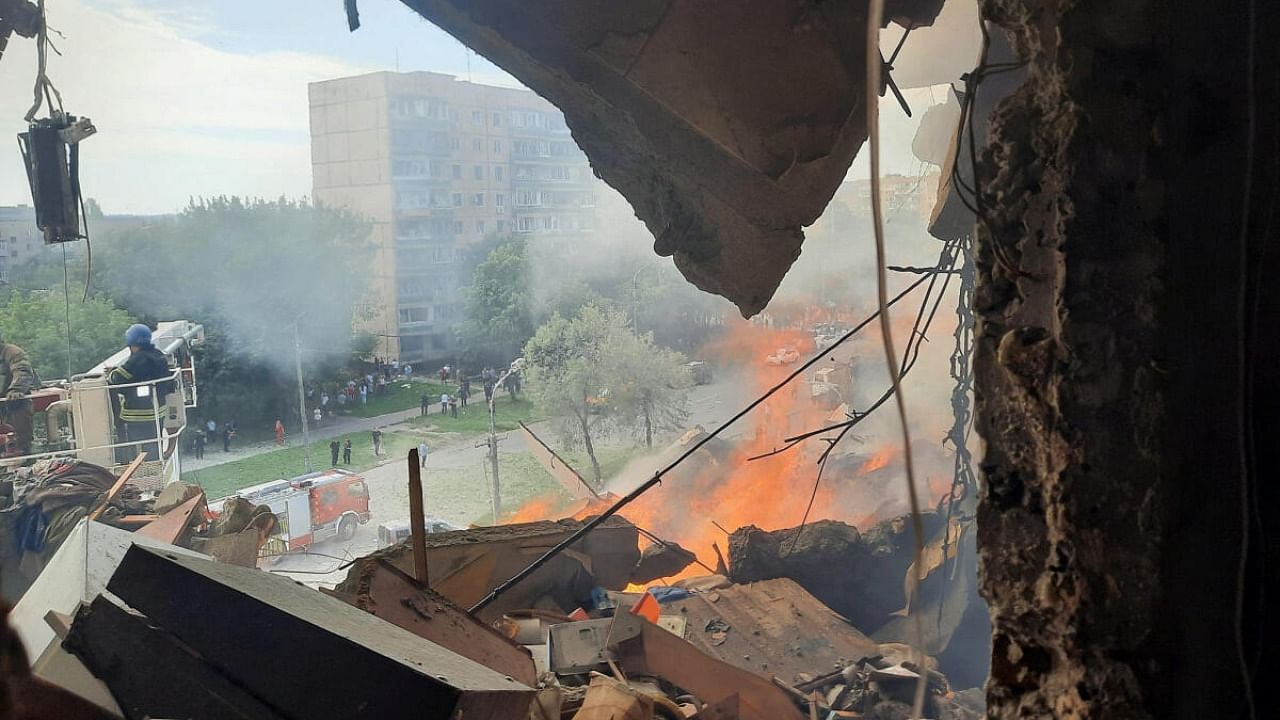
1111	178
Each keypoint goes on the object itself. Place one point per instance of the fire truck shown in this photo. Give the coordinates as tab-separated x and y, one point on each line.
312	507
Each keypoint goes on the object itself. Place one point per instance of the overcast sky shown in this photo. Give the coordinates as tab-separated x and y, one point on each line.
201	98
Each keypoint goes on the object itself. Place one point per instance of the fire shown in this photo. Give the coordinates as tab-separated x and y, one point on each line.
741	481
877	461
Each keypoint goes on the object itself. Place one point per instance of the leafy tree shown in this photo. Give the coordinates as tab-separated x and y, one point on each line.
248	270
598	376
499	320
37	322
655	397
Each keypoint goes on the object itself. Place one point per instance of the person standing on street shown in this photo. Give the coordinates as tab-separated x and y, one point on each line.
279	432
425	405
199	444
226	438
346	452
334	446
422	453
444	403
377	443
464	391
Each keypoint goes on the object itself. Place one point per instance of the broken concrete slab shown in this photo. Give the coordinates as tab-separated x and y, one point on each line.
644	648
153	675
229	614
661	560
774	627
719	150
858	575
465	565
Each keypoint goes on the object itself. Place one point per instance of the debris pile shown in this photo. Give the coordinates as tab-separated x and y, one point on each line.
173	633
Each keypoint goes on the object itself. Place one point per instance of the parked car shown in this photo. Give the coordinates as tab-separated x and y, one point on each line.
394	532
699	372
783	356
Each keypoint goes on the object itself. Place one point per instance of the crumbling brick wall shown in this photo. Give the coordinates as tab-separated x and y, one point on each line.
1109	360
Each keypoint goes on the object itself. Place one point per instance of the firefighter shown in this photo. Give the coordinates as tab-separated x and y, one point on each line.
140	409
17	380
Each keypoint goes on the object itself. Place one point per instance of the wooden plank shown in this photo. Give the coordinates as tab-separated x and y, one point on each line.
131	520
644	648
115	489
775	627
173	526
417	520
150	674
394	596
327	659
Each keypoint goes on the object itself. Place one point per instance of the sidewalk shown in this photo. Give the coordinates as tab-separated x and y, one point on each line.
332	427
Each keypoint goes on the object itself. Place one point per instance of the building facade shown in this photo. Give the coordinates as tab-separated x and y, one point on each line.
20	239
439	164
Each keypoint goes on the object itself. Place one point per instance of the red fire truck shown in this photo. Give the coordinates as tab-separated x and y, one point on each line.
313	507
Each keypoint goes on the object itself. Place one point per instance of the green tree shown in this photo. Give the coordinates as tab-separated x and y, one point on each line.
37	322
655	397
597	376
248	270
499	320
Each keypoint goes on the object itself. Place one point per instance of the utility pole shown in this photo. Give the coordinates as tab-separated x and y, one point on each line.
492	444
302	397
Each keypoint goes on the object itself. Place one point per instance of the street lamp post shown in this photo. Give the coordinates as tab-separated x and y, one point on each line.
302	397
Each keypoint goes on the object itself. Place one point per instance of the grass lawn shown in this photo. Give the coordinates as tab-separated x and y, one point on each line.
222	480
398	398
475	418
524	479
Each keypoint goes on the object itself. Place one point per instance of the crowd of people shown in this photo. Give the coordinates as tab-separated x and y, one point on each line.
325	400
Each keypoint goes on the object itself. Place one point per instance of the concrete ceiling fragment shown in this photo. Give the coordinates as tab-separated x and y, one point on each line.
727	124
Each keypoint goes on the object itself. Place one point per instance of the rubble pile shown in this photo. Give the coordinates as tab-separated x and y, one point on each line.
173	633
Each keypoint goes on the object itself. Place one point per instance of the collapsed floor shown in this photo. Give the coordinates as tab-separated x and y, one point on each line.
173	633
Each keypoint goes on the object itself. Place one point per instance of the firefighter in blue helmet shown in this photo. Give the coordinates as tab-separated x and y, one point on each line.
141	408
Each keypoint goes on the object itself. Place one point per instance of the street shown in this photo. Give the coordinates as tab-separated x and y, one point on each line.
461	505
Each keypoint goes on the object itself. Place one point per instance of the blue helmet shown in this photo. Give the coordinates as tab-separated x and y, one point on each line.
137	334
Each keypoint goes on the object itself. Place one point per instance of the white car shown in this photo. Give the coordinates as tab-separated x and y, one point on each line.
783	356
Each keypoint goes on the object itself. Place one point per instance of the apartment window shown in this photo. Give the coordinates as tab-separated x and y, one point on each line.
454	144
477	199
477	144
479	227
453	114
477	117
497	119
457	199
499	199
478	172
457	172
457	227
497	172
550	222
497	146
502	225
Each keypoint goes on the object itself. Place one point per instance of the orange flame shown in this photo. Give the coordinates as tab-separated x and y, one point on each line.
721	486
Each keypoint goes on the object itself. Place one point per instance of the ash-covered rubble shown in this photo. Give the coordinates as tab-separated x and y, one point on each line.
582	638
